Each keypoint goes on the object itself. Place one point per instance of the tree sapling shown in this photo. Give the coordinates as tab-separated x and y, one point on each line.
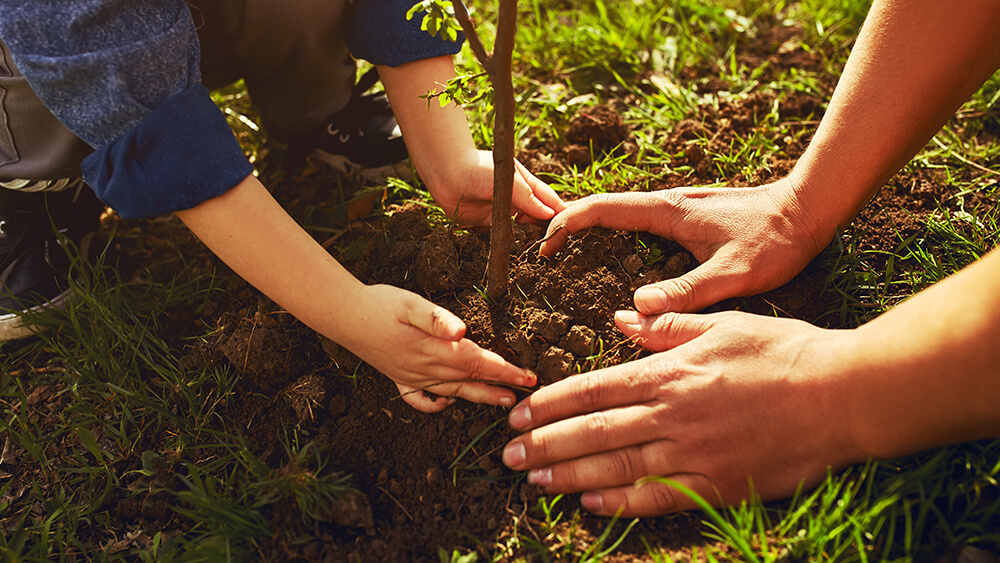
446	17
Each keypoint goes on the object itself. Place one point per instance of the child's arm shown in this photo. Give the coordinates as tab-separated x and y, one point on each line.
459	176
412	341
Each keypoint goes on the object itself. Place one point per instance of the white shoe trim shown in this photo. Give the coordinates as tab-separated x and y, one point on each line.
12	325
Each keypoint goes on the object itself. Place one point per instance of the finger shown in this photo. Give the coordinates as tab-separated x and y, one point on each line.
545	194
473	362
662	332
475	393
607	469
525	201
420	401
651	498
435	320
580	436
634	211
626	384
703	286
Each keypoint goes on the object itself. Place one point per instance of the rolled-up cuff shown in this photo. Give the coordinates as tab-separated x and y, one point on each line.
380	34
181	154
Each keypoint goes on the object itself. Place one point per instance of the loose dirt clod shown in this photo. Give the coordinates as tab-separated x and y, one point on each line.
579	341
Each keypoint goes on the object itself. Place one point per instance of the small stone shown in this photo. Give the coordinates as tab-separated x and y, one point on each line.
353	510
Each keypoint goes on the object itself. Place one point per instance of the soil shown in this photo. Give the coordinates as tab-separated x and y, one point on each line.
430	480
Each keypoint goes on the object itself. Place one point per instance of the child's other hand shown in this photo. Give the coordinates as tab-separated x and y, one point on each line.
468	196
421	346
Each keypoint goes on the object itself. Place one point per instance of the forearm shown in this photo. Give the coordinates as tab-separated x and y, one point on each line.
914	64
437	138
249	231
927	372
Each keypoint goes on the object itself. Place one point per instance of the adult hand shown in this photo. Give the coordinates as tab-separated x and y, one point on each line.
421	346
467	197
748	240
733	405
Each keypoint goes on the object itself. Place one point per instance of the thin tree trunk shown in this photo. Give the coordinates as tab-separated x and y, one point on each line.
501	234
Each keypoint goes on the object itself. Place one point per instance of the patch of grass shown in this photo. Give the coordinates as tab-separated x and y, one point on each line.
881	511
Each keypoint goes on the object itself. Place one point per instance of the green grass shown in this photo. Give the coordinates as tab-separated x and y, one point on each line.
102	408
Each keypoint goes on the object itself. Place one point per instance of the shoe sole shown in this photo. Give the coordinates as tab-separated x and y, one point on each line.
344	165
12	325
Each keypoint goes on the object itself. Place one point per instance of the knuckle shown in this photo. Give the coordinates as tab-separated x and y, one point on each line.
539	449
666	323
596	428
623	466
683	292
663	498
592	390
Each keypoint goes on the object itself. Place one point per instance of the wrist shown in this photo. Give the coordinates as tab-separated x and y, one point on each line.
453	174
840	408
813	223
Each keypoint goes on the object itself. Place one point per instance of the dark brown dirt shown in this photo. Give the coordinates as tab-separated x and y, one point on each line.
437	480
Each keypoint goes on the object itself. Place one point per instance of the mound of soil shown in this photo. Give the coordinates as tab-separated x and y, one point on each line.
428	480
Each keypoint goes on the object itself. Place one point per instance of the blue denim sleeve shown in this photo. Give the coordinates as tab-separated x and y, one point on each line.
380	34
123	75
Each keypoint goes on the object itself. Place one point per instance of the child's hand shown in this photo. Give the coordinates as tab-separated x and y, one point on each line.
468	196
421	346
442	149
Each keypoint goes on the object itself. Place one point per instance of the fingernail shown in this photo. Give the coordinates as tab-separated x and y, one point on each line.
506	401
513	455
540	477
519	417
530	379
651	298
630	318
593	502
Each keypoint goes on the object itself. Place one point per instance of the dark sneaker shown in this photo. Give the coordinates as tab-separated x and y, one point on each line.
34	259
362	138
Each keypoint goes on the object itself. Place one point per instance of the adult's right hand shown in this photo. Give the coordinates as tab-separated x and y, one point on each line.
731	405
748	240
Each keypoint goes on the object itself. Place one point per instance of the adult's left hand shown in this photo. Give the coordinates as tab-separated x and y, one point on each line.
732	405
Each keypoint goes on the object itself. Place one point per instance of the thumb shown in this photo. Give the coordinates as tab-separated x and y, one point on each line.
703	286
435	320
662	332
632	211
541	196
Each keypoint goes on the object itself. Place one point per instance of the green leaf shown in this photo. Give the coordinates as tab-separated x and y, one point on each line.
90	443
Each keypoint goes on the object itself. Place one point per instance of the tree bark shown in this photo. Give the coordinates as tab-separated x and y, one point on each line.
501	233
498	67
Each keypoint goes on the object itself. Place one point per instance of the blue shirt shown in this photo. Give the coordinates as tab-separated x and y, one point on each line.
123	75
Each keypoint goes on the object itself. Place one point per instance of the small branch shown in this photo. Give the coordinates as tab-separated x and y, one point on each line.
469	30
